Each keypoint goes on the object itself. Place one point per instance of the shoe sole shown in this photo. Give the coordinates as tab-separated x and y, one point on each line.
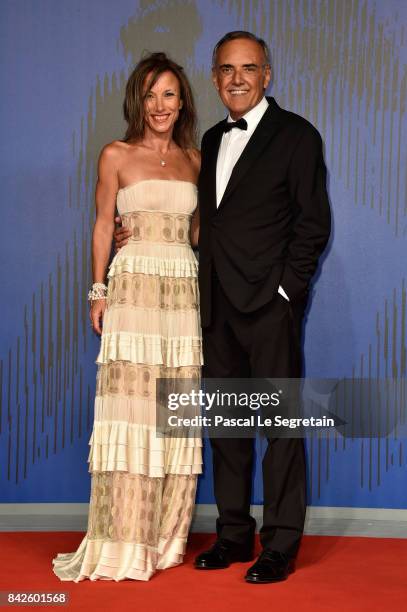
257	581
206	567
253	580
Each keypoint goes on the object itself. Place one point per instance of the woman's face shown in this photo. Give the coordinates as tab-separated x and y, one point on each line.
162	103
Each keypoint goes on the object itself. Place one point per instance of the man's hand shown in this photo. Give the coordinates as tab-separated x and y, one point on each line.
121	235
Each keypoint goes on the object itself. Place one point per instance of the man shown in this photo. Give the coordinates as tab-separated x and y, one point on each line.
264	221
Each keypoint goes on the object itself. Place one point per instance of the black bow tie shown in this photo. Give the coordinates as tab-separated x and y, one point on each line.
241	124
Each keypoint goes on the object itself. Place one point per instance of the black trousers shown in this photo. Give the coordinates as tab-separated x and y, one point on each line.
264	344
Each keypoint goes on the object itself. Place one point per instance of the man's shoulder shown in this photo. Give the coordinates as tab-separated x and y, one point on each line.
300	134
298	124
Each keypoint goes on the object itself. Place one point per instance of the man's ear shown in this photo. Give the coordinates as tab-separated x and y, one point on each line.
215	78
267	76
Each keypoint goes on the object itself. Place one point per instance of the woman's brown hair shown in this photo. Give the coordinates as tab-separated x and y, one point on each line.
133	106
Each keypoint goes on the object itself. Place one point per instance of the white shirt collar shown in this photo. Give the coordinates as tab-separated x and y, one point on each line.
254	115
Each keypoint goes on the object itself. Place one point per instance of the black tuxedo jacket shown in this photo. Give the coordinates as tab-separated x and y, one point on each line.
274	219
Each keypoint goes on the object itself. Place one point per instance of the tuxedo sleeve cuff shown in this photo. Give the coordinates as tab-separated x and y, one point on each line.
294	287
283	293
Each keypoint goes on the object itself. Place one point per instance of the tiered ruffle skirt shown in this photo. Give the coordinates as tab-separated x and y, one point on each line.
143	485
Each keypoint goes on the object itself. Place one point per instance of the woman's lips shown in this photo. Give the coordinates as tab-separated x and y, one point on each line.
160	118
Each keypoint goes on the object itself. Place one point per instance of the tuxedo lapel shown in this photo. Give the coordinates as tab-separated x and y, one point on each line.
264	132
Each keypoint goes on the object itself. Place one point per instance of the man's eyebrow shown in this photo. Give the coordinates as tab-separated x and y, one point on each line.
252	65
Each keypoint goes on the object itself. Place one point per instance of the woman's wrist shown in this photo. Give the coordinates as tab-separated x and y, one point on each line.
97	292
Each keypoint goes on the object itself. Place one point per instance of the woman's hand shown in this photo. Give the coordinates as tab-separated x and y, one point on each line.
97	310
121	235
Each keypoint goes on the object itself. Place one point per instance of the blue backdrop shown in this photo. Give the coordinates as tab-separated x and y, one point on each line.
341	64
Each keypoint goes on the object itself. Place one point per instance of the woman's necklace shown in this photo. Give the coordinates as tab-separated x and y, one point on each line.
160	156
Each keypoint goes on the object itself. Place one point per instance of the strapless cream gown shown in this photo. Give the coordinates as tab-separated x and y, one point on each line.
143	486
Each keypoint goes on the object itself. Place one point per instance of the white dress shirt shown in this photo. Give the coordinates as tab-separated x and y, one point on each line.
232	145
231	148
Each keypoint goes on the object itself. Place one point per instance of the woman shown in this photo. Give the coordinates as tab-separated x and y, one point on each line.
143	486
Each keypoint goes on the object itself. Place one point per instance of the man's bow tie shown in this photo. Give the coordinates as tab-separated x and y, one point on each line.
241	124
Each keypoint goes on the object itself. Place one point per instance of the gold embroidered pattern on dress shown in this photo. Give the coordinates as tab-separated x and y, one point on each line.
138	509
157	227
126	378
153	291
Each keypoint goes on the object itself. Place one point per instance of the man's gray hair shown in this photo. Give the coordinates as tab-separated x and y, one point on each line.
239	34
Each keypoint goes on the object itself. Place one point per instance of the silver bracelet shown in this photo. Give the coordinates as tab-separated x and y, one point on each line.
98	292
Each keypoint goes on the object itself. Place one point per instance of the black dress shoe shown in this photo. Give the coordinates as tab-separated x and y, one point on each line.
271	566
222	554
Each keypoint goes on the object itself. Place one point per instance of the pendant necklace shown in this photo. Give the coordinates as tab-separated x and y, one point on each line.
162	160
160	156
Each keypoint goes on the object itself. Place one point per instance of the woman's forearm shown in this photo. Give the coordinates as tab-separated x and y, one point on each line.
101	247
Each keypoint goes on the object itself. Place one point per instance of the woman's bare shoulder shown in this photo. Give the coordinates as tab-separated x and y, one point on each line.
114	149
195	157
194	153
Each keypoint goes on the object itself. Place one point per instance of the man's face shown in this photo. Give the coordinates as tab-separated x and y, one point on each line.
241	75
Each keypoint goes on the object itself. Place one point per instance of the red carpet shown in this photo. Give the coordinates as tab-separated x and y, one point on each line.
333	573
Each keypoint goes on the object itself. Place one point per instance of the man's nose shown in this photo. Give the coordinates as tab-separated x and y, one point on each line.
237	77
